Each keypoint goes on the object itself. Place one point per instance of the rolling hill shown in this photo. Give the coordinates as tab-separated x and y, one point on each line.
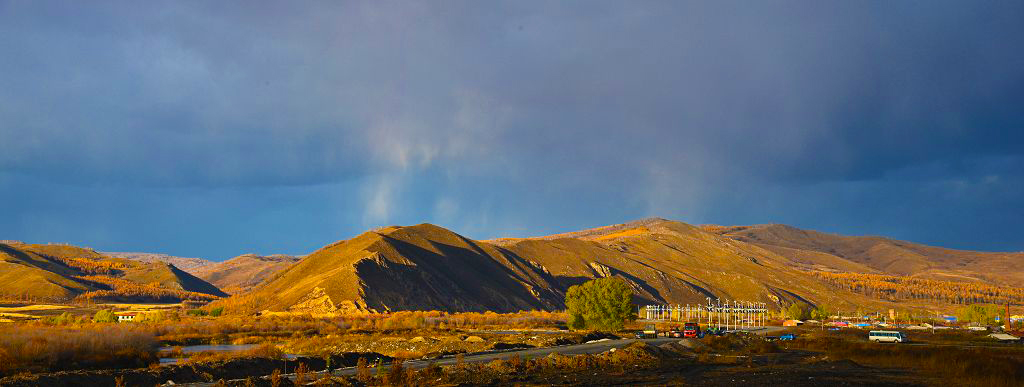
183	263
56	272
429	267
242	273
879	255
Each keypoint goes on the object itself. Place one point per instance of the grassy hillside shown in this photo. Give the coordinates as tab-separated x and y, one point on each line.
65	273
242	273
402	268
187	264
28	275
428	267
881	255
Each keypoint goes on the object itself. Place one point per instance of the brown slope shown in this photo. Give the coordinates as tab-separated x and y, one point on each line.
881	254
428	267
190	265
242	273
403	268
61	272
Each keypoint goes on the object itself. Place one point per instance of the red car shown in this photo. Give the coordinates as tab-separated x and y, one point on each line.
691	330
675	332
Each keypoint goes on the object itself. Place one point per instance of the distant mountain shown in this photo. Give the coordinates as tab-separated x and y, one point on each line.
429	267
57	272
186	264
241	273
873	254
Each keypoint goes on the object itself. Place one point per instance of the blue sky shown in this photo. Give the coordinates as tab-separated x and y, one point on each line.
213	129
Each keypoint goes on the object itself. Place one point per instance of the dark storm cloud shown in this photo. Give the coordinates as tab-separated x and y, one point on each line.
508	118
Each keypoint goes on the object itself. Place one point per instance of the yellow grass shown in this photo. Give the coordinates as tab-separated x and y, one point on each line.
624	233
18	315
30	308
142	306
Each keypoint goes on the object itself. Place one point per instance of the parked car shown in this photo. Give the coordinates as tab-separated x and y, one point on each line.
675	332
787	337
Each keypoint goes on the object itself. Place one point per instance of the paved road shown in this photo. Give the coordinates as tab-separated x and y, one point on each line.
577	349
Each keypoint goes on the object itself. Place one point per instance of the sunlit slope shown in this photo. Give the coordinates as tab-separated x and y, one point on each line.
242	273
28	275
428	267
882	255
401	268
168	276
673	262
62	272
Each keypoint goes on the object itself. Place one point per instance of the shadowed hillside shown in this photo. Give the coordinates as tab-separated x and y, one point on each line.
429	267
871	254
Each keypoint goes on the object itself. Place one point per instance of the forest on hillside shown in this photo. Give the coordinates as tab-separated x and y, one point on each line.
899	288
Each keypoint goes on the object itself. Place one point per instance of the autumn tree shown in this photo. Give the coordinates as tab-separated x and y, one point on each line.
602	304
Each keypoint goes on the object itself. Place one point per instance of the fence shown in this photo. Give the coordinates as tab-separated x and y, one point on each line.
728	314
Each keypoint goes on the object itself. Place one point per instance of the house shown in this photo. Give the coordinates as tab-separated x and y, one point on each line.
126	316
792	323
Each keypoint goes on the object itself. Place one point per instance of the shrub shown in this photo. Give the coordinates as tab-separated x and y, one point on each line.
46	349
602	304
363	370
104	316
300	374
217	312
275	378
396	375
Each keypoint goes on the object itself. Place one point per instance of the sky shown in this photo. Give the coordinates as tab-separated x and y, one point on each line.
213	129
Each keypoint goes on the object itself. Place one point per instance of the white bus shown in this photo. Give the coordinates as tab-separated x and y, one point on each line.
886	336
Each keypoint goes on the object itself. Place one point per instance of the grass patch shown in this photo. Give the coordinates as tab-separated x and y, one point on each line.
965	366
45	349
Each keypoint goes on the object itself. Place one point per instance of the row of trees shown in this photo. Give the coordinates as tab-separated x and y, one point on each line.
124	289
896	288
798	311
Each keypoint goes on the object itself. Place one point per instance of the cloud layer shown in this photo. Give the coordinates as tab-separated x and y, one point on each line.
212	129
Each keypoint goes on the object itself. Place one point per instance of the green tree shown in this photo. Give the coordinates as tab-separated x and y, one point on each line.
981	314
216	312
104	316
798	311
602	304
821	313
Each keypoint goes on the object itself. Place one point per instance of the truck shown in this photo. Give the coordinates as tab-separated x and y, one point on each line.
691	330
649	332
